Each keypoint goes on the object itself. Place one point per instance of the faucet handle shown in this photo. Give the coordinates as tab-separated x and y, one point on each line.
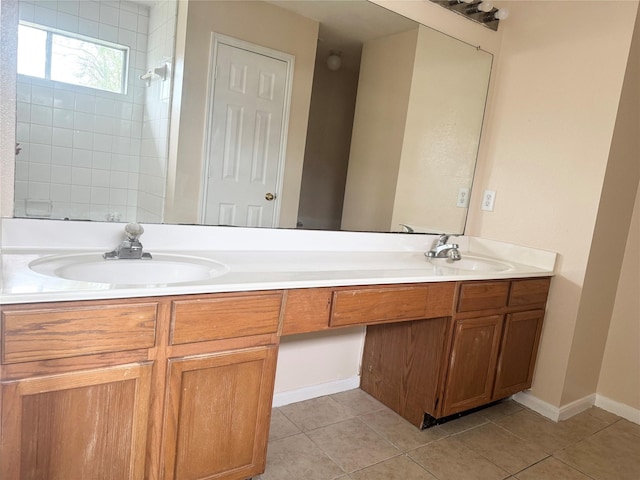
441	240
133	231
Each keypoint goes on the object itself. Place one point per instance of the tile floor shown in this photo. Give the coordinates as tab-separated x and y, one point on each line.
351	436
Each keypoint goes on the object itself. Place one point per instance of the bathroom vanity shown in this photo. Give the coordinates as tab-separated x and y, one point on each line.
175	383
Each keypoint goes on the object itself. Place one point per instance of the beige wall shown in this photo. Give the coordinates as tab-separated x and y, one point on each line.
378	131
262	24
613	218
546	154
326	154
442	131
620	374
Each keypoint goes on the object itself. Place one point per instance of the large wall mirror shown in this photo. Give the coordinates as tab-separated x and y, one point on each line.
312	114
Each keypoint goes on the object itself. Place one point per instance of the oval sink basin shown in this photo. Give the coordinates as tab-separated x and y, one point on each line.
160	270
473	263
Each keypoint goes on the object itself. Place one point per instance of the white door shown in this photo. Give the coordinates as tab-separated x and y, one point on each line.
245	138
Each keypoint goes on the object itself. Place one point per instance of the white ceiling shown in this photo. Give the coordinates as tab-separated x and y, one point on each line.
346	24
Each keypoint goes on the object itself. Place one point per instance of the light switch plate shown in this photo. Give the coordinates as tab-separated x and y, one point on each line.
488	200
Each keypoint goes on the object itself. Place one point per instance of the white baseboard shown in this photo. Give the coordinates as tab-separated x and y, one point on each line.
620	409
569	410
552	412
540	406
314	391
577	406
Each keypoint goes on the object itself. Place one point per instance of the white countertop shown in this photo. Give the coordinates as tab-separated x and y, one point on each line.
257	259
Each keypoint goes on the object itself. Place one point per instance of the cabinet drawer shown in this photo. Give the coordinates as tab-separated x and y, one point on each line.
529	292
60	332
388	304
482	295
306	310
224	316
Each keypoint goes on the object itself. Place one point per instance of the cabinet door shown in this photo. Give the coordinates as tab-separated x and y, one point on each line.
218	412
472	363
518	352
88	425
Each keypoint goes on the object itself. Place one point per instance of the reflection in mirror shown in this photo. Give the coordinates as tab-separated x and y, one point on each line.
94	134
414	165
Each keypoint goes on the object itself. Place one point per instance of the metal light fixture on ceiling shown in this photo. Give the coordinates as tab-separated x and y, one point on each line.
479	11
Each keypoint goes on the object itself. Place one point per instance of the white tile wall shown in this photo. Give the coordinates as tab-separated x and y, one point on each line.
155	129
81	147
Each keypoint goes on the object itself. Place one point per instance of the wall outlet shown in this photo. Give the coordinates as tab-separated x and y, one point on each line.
463	198
488	200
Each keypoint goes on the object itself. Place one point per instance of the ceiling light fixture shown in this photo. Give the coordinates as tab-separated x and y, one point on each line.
479	11
334	60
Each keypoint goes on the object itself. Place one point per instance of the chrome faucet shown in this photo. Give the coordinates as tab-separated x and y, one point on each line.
130	248
442	249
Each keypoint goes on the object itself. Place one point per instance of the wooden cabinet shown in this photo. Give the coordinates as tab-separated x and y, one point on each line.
76	389
472	363
496	330
518	352
383	304
218	410
168	388
401	365
89	424
306	310
221	371
181	387
316	309
486	351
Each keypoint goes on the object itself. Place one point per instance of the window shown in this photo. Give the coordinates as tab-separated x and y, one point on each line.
70	58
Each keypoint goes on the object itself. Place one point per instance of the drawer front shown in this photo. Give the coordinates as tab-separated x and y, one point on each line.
306	310
529	292
482	295
224	316
50	333
377	305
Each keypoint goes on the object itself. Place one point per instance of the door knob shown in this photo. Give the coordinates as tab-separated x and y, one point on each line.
270	196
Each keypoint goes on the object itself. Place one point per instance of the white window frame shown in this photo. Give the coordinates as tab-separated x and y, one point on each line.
76	36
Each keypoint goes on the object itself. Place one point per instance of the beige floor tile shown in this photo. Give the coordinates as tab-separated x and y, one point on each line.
463	423
359	402
502	447
627	426
551	469
297	457
396	468
351	436
502	409
613	453
583	424
603	415
548	435
281	426
316	413
450	459
401	433
352	444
